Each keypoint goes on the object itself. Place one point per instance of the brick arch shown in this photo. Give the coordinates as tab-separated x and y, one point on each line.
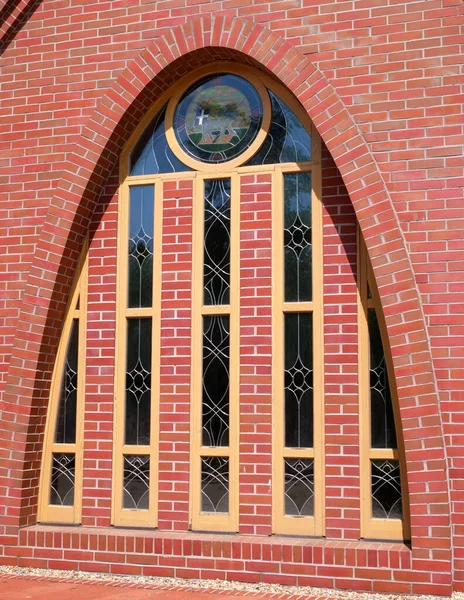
176	51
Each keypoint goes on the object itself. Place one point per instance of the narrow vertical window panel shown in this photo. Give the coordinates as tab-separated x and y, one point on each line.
384	506
383	430
215	355
298	380
216	263
297	354
60	491
138	382
297	237
216	381
137	354
140	246
65	432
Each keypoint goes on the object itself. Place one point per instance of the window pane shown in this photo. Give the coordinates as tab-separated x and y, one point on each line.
383	432
386	489
287	140
215	485
298	380
65	432
299	487
217	242
62	480
138	382
297	237
215	407
218	118
140	282
152	154
136	482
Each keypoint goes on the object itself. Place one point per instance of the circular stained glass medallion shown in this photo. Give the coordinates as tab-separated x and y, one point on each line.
218	118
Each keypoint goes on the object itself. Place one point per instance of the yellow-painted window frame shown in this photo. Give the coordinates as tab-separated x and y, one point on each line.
371	527
124	516
233	170
76	310
282	523
202	520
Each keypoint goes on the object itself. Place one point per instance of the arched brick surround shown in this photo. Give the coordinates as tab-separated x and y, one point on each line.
175	52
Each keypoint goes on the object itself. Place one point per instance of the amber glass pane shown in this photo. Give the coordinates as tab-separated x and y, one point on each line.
386	489
65	432
140	285
383	432
298	380
217	242
215	404
138	382
297	237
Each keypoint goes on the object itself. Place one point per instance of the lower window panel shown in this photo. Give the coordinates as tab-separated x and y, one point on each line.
299	487
215	485
62	479
136	482
386	489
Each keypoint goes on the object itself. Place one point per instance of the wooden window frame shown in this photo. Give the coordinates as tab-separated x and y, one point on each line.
46	512
286	524
372	527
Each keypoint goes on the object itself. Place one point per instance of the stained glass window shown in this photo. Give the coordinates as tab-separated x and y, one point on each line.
218	118
136	486
299	487
386	489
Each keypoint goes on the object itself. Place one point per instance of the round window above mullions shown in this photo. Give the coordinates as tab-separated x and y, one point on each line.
221	120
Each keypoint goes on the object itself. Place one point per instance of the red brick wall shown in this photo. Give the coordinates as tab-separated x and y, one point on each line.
383	84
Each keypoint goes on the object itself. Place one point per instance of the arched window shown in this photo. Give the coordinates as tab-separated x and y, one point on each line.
219	327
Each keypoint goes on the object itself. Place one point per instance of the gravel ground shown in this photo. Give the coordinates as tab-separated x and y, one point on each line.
169	582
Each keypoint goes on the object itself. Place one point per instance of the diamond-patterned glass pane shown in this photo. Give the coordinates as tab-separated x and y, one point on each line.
215	405
140	285
297	237
136	484
298	380
299	487
215	485
217	242
65	432
62	479
383	432
138	382
386	489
